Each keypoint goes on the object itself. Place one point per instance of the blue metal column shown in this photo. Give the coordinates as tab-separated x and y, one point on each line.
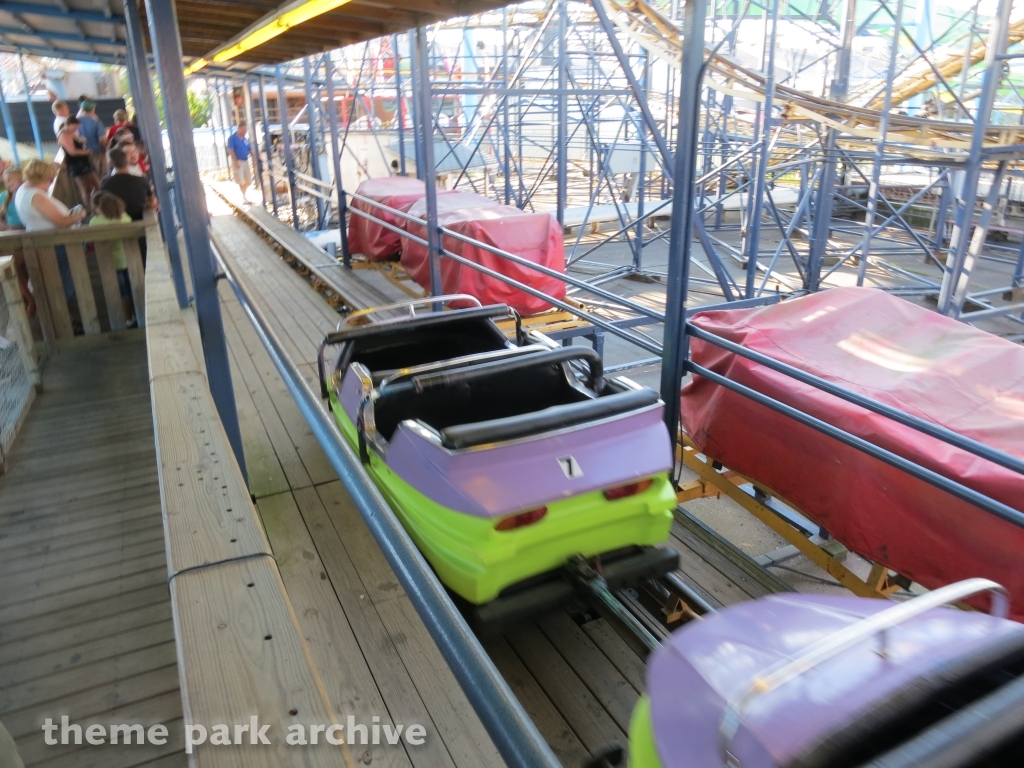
822	225
954	282
676	343
163	32
506	148
31	112
764	157
145	109
417	119
312	137
399	108
286	141
250	120
332	116
562	128
5	110
425	136
876	169
268	143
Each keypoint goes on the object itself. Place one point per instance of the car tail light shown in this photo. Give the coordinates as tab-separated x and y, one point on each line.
629	489
512	522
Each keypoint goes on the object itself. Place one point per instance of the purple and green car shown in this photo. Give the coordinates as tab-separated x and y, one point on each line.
808	681
502	460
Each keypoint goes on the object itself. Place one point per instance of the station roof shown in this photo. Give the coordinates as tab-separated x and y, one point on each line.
83	30
93	30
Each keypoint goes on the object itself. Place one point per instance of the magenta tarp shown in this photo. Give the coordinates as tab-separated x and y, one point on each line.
536	237
374	241
904	356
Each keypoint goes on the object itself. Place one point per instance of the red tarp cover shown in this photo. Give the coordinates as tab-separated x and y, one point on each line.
533	236
904	356
375	242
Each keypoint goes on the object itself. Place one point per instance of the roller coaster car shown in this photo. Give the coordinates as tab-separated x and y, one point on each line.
502	464
802	681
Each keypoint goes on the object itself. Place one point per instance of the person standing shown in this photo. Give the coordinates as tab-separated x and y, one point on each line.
135	191
60	114
78	158
239	150
120	121
37	210
95	136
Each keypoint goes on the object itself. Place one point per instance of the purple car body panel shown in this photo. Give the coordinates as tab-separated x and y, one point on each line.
489	481
705	666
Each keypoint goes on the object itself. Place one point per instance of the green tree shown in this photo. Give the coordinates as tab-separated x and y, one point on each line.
200	107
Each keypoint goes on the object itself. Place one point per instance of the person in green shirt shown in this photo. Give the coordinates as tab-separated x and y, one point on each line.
110	210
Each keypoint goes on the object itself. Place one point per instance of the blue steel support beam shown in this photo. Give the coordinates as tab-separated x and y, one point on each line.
250	120
876	169
69	37
313	137
425	136
5	110
639	90
149	124
286	142
826	186
562	127
953	292
163	33
31	9
764	157
399	107
676	344
268	143
332	117
63	53
417	123
28	105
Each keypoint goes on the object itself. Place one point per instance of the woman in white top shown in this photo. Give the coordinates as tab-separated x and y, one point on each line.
37	209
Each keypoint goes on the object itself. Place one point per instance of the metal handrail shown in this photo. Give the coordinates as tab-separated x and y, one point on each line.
830	646
514	734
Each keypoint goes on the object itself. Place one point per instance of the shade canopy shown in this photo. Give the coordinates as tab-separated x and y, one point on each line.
93	30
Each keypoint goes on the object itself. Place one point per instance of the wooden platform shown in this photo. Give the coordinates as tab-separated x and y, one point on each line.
85	619
575	676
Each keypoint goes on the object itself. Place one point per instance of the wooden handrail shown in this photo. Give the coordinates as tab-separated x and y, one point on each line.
57	319
14	240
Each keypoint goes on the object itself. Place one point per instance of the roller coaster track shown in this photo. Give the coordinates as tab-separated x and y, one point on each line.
920	76
923	138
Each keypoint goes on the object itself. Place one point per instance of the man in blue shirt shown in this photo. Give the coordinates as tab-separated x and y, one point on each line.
239	150
95	135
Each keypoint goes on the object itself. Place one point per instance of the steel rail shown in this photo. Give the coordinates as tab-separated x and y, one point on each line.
514	733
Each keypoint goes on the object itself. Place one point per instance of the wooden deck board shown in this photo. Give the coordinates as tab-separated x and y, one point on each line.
84	608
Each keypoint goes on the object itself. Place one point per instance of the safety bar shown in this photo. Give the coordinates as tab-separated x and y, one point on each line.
386	378
513	732
830	646
914	422
337	337
483	370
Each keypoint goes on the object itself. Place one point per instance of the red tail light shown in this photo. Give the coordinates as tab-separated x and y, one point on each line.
629	489
523	518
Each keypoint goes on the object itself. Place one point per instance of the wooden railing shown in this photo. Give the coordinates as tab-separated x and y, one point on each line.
56	317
